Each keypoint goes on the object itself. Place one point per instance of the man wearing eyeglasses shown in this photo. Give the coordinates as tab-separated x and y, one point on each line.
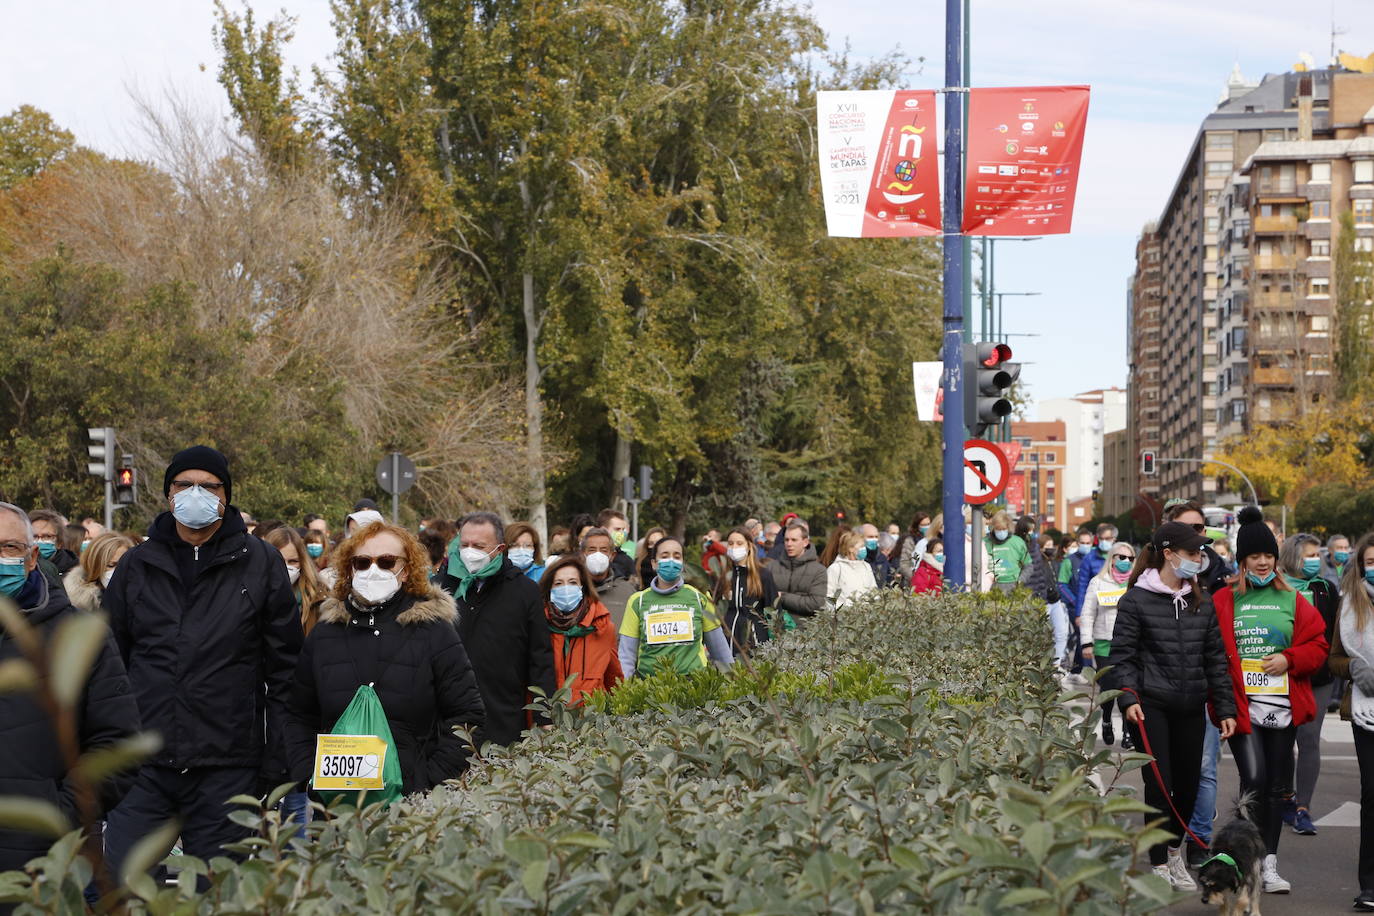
31	754
208	626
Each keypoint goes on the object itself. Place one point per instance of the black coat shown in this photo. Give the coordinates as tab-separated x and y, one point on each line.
409	650
1173	657
31	761
210	638
506	635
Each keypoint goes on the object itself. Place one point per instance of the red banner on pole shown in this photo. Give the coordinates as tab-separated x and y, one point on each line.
879	171
1015	496
1022	159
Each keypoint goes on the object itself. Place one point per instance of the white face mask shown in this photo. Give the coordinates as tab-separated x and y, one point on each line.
375	585
106	576
598	563
737	554
293	573
474	559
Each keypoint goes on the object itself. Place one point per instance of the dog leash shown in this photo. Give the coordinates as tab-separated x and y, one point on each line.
1159	777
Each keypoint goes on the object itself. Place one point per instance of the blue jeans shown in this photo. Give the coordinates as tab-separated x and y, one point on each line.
296	807
1206	807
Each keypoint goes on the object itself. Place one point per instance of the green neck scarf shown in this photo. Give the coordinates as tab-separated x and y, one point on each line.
459	570
569	634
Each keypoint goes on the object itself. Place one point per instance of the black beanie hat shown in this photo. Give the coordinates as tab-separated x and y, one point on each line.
200	458
1254	535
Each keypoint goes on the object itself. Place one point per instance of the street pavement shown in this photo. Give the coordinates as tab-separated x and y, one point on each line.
1321	867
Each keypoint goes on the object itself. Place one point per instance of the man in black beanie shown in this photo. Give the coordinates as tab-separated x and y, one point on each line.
206	620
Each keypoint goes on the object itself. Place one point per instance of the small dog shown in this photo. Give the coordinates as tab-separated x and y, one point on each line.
1231	877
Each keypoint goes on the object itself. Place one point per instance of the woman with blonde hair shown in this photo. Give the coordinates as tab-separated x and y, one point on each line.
386	626
1010	555
85	582
305	581
847	577
1352	660
743	594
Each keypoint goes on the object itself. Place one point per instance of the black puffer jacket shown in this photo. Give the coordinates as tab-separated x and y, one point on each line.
210	637
1169	654
31	762
1328	603
502	623
409	650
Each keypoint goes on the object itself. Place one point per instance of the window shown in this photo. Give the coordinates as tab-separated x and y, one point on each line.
1319	362
1364	171
1321	209
1321	172
1319	323
1275	133
1048	458
1364	243
1220	140
1212	197
1220	168
1363	210
1321	286
1321	248
1213	224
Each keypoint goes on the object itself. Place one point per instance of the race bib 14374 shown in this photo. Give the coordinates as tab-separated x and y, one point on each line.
668	627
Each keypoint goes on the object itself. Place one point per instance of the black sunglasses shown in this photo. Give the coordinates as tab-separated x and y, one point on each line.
386	563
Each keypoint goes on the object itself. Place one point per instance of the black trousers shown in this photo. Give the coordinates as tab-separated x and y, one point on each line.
197	797
1176	738
1364	753
1264	762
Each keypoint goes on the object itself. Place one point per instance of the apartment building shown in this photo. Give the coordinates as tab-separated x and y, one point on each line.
1088	416
1232	271
1038	477
1120	467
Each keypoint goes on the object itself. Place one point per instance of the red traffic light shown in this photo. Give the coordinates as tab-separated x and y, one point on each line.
993	355
124	477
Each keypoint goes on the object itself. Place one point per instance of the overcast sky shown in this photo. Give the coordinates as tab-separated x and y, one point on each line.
1156	67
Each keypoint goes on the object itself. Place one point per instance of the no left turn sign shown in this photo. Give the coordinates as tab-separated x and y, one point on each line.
985	471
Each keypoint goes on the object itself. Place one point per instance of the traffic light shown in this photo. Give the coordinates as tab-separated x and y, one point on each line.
124	482
102	452
1147	462
646	482
988	374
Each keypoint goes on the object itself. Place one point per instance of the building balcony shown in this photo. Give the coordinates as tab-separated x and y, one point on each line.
1275	262
1275	377
1275	224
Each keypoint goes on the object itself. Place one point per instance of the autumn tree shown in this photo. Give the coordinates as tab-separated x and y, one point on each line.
30	140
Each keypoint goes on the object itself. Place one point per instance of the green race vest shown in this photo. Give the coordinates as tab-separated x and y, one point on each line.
1264	621
671	628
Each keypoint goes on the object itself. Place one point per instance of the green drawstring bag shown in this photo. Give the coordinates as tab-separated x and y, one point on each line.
359	755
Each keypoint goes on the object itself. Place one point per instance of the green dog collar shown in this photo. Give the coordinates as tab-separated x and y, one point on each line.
1224	857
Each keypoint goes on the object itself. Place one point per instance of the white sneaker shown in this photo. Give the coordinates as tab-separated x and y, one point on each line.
1163	872
1273	881
1178	871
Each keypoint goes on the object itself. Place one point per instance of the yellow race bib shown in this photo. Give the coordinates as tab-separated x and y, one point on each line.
1110	598
662	628
1257	683
348	762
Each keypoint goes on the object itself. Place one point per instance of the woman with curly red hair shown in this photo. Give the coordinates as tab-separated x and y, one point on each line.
386	626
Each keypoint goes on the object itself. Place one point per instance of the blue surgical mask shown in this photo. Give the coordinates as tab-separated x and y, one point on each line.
871	544
861	553
1342	556
940	558
315	550
1369	574
1260	581
565	597
522	558
925	528
1311	566
47	550
196	508
1072	550
1187	569
669	571
1106	546
1124	565
12	575
1001	535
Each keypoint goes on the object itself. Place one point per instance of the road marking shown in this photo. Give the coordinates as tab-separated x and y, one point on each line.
1336	731
1347	815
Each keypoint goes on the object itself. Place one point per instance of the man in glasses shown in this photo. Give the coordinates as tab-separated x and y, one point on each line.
501	620
209	629
31	753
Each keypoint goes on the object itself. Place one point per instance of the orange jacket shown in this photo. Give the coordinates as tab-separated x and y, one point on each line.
592	656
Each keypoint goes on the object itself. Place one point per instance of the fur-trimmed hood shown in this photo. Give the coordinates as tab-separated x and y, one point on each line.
84	596
436	606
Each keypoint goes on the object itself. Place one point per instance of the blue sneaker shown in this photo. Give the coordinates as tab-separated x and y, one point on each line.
1290	811
1302	823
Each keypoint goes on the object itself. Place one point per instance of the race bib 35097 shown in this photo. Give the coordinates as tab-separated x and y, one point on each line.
348	762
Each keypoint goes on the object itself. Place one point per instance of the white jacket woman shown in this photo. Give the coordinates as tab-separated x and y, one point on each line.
848	576
1098	617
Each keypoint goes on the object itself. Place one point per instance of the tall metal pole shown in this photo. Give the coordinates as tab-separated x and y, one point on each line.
953	431
395	487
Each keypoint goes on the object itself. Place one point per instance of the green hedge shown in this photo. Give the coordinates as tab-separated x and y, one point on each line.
905	755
